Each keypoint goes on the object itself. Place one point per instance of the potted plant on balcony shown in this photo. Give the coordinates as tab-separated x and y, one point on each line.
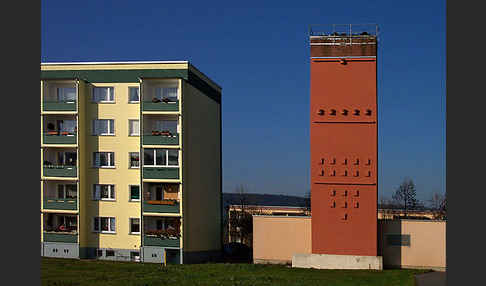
165	133
165	100
50	129
155	100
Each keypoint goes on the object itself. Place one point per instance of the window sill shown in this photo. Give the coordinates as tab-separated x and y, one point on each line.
102	134
132	102
103	102
134	233
104	167
104	232
133	167
150	166
133	135
134	201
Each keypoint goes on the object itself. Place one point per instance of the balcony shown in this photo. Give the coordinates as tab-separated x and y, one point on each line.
56	137
160	138
161	206
160	173
162	231
58	236
60	171
155	105
57	105
70	204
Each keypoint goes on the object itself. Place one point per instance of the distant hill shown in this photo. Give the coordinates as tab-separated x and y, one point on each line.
263	200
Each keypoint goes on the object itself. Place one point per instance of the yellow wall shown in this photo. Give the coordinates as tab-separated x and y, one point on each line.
201	173
121	176
277	238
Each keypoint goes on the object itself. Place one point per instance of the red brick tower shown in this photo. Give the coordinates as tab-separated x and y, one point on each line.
343	139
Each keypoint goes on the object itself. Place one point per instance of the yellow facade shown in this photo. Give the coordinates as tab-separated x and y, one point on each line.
121	175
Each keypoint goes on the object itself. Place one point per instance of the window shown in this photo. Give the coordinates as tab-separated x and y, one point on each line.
67	191
110	253
103	159
66	158
135	226
99	252
134	256
165	125
103	192
169	93
161	157
133	127
103	127
103	94
133	94
134	159
68	126
134	193
104	224
66	94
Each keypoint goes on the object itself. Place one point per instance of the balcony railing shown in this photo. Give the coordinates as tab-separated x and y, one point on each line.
160	106
68	237
59	171
56	105
154	240
56	137
160	138
160	173
161	206
60	204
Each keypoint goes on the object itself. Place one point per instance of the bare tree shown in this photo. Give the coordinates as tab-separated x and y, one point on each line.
405	196
241	221
306	205
437	204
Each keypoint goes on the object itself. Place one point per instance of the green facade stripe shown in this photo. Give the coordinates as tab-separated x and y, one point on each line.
105	76
60	204
60	237
150	208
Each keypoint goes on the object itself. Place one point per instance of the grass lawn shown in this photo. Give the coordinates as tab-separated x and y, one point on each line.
70	272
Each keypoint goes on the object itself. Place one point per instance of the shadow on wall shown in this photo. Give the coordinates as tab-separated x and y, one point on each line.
390	242
412	243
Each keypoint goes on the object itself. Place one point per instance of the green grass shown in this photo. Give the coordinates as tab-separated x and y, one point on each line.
70	272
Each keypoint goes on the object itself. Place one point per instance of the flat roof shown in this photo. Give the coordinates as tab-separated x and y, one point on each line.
115	63
190	67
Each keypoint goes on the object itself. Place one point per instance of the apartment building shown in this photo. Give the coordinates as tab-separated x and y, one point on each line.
130	162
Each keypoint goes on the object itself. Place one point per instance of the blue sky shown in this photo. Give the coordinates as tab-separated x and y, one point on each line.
258	52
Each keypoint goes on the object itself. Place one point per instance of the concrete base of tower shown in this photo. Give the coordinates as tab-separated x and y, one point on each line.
332	261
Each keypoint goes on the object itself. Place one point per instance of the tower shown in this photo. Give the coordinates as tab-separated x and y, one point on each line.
343	140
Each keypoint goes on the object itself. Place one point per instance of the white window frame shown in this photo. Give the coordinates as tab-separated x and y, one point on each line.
129	99
130	160
111	123
111	158
130	225
130	131
130	193
96	193
99	218
166	158
111	94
